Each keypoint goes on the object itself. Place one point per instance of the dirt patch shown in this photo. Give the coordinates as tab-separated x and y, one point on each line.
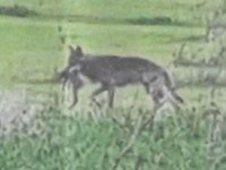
18	113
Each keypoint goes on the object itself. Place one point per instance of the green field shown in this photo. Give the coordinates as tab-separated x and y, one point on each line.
30	49
98	26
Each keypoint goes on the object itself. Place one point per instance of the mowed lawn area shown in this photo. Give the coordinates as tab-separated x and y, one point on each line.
32	45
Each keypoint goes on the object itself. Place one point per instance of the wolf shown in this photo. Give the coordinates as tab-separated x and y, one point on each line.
113	71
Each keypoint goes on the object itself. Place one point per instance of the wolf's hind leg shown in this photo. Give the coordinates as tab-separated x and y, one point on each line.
158	94
159	99
173	102
158	103
164	95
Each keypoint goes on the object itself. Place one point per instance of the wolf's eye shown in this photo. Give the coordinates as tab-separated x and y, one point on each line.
160	94
154	79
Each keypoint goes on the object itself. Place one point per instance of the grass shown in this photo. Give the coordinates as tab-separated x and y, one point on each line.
30	48
37	45
26	47
84	144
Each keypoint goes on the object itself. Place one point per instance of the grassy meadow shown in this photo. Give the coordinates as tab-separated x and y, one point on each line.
91	138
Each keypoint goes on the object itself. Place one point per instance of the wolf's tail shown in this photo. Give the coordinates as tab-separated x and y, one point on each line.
170	83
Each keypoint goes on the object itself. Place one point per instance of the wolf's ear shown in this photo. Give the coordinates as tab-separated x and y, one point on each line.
71	48
79	51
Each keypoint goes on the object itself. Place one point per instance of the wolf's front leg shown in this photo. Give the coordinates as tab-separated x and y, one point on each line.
111	94
98	91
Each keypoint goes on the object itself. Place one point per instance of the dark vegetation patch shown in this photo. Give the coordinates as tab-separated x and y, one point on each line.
159	20
16	10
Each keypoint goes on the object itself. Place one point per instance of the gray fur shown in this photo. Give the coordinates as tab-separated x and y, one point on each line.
115	71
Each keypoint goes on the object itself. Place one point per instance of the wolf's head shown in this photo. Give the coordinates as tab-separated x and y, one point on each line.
76	54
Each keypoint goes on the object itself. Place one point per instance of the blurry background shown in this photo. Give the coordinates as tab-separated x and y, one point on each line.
188	37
